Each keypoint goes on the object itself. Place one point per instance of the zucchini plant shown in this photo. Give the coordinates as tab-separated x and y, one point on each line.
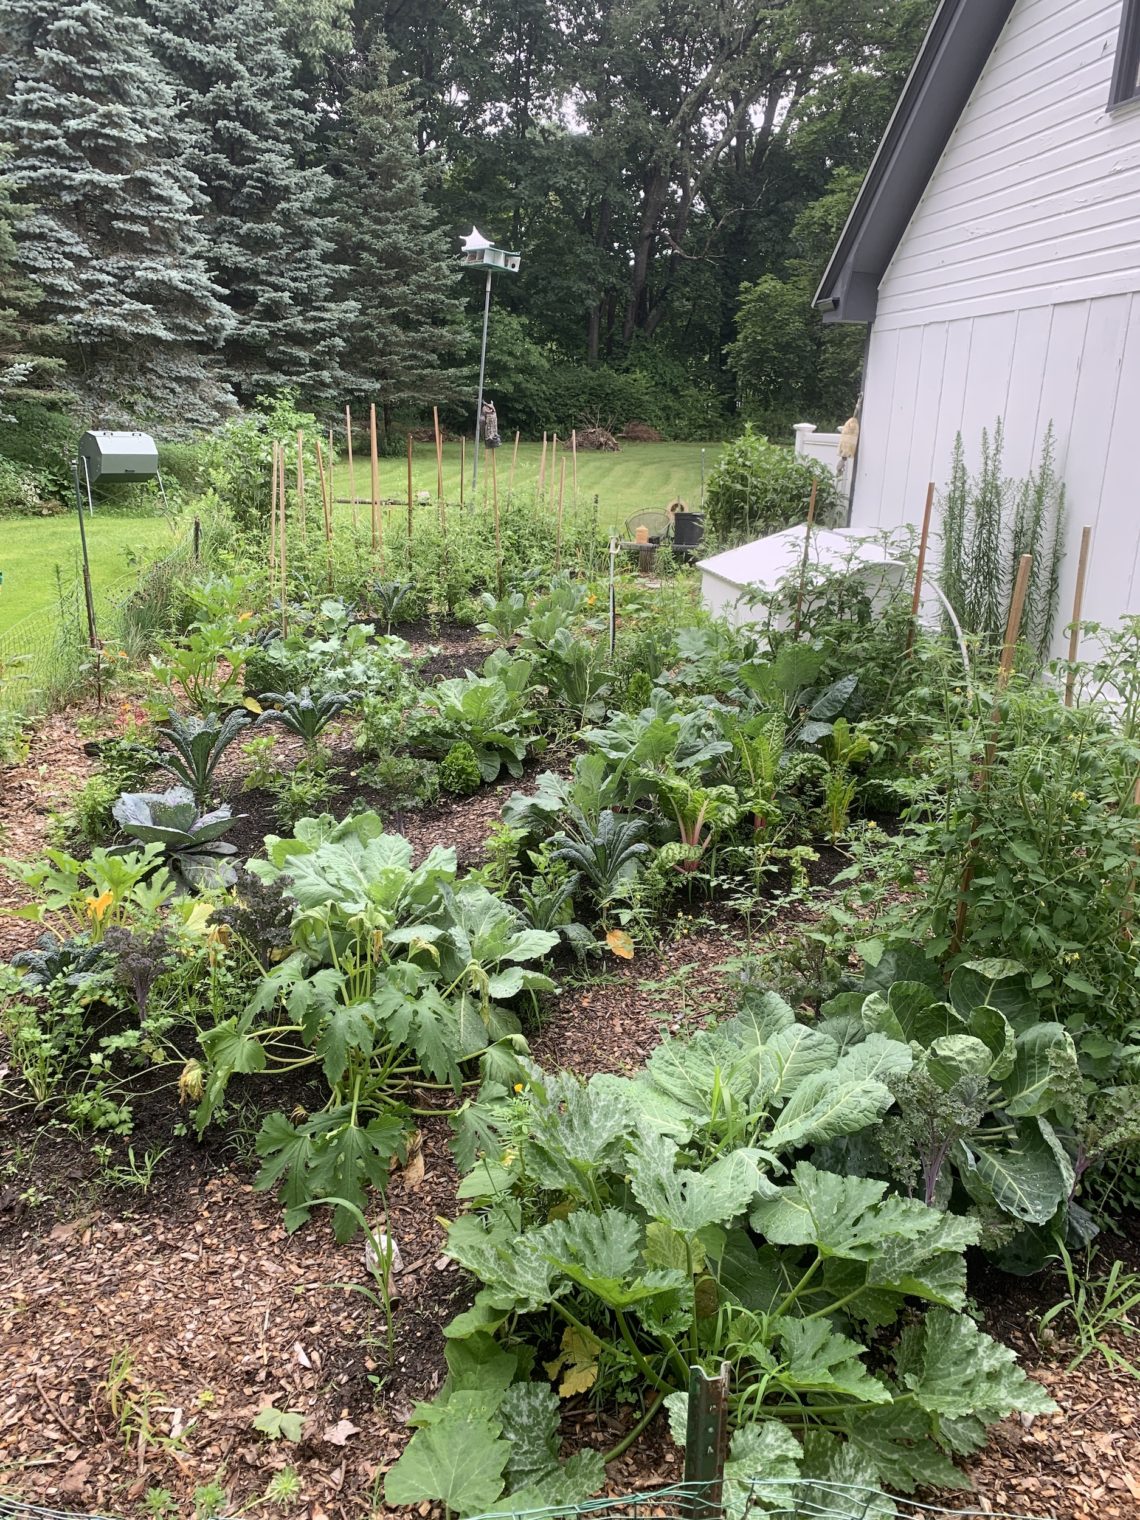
398	973
629	1228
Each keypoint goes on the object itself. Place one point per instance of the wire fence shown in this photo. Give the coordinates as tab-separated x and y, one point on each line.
763	1498
45	656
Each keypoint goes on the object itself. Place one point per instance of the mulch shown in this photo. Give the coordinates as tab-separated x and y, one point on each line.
218	1311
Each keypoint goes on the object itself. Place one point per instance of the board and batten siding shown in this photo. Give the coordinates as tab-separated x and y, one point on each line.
1015	293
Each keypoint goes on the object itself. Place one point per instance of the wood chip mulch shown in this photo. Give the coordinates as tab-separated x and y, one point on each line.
218	1311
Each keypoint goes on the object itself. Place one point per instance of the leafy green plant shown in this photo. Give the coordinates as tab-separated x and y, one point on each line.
459	770
188	840
635	1227
304	714
756	488
488	712
108	888
606	857
204	670
395	974
198	745
263	769
301	793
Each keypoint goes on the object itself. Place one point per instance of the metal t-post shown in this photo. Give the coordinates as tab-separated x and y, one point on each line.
87	593
482	372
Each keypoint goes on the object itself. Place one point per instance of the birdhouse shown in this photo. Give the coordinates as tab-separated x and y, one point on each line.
479	252
119	456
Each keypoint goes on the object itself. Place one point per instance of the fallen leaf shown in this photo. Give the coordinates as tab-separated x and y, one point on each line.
339	1433
413	1172
620	943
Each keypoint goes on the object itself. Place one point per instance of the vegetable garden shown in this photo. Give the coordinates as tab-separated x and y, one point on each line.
523	1009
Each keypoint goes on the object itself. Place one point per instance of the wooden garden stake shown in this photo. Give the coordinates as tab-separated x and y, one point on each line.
498	534
514	461
375	478
351	466
1005	669
542	466
301	483
282	522
1130	901
553	460
408	545
438	454
807	550
273	520
558	532
327	514
1078	603
462	465
574	456
919	568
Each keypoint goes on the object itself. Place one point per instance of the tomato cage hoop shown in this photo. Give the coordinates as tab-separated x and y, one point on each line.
758	1499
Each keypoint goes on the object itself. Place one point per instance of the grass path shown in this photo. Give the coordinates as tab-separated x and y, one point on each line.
32	548
643	476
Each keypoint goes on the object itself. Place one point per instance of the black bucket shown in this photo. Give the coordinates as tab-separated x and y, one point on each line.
688	533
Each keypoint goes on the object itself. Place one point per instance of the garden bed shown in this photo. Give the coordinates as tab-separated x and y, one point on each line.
152	1303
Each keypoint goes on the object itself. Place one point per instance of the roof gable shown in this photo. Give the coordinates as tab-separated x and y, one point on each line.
949	64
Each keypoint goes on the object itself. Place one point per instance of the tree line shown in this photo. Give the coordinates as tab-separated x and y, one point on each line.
205	201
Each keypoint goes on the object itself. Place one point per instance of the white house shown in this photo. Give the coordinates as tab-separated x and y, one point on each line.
995	252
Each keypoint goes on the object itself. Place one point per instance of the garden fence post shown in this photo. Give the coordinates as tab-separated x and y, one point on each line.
197	549
553	461
438	453
706	1436
919	568
462	465
807	551
542	467
1078	603
351	466
273	518
514	461
613	595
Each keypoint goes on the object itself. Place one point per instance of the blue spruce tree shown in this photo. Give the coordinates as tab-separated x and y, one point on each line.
110	234
398	263
269	220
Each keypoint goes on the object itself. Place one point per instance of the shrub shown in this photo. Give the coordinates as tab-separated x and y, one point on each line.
757	488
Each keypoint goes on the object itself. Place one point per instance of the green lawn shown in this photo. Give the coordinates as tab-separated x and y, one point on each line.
32	547
642	476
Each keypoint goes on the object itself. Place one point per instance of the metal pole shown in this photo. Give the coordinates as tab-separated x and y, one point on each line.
706	1439
482	372
87	593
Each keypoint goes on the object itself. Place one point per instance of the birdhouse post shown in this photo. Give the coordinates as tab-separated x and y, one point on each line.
479	253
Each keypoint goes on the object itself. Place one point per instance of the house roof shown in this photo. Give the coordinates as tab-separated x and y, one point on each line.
949	65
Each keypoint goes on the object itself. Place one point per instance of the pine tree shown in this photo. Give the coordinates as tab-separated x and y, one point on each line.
110	234
269	225
401	271
26	366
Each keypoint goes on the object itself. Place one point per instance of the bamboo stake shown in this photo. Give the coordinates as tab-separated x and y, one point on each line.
558	533
408	545
542	466
1078	603
574	456
273	521
327	514
438	454
1005	669
514	461
462	465
351	466
375	479
332	482
301	484
553	459
283	524
807	550
921	566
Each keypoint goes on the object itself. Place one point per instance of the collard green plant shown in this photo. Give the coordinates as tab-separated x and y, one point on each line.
189	841
488	712
198	745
